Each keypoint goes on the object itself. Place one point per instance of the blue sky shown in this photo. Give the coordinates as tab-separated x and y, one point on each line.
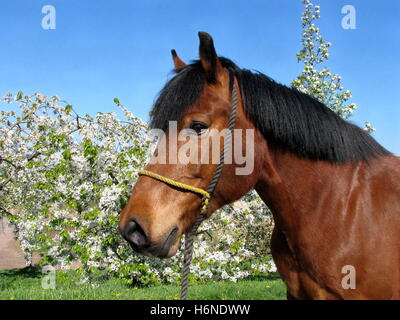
104	49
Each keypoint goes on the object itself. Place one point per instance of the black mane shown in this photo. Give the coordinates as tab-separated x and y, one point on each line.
289	119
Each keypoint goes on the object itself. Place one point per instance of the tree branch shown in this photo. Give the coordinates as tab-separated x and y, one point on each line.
2	185
7	213
9	162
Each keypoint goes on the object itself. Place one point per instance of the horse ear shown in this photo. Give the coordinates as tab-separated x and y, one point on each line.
177	61
208	57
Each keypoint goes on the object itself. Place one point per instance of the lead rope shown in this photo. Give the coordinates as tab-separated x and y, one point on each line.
189	238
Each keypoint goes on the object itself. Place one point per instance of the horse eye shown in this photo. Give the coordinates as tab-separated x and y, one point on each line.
198	127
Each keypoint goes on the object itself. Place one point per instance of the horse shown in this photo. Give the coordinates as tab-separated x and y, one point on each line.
332	189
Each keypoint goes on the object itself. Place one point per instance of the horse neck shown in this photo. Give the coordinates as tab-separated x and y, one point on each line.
297	189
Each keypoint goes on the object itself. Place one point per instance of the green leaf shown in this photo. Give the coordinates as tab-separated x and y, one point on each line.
67	154
68	109
19	95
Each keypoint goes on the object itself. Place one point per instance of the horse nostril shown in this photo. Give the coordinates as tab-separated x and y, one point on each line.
129	228
134	234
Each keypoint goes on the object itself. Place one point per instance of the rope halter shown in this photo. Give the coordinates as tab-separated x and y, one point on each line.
180	185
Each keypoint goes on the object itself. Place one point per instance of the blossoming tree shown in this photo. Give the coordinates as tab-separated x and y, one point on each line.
316	80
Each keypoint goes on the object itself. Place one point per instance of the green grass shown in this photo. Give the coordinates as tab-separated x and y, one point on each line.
25	284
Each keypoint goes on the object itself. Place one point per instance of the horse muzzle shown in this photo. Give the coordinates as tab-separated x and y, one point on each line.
139	241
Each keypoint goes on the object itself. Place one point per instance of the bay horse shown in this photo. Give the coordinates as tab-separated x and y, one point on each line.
332	189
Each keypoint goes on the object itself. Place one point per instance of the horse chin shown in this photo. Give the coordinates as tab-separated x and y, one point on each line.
167	249
173	249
